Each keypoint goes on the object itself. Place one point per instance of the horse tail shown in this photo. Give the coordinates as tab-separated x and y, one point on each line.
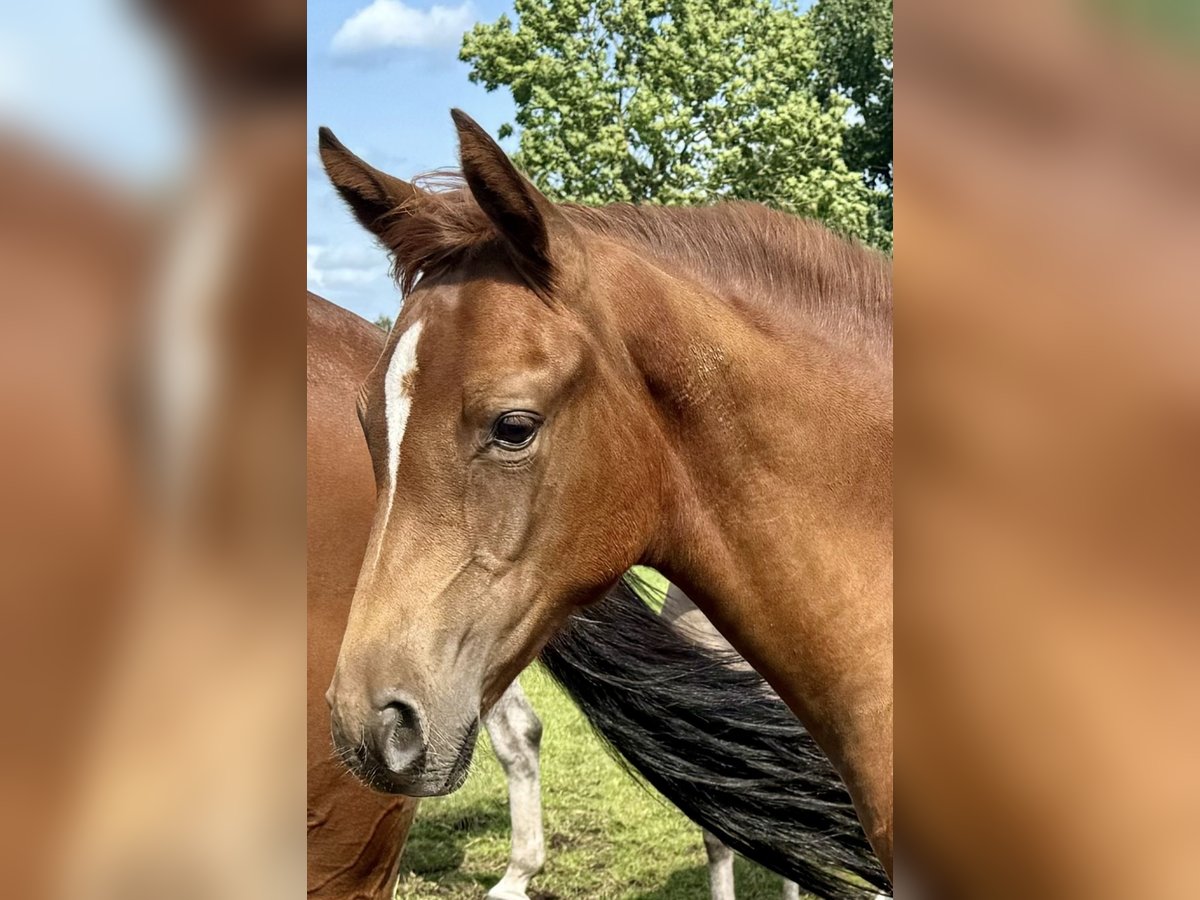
713	739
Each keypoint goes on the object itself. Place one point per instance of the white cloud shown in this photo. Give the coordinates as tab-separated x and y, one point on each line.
345	266
316	278
391	25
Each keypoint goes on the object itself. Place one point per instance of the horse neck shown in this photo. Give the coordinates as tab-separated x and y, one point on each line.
777	494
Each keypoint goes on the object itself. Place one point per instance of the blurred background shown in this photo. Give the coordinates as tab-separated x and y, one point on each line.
151	431
1048	410
151	419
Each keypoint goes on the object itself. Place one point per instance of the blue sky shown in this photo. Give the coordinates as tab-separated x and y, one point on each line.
94	80
383	74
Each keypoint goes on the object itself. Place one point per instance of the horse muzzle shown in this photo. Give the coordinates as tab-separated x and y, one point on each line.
386	747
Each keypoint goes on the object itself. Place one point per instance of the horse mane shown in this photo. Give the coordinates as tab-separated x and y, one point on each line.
768	263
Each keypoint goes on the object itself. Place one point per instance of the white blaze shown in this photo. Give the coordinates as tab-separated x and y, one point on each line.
397	405
395	392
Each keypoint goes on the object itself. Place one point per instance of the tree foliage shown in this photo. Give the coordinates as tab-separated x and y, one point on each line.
854	39
680	101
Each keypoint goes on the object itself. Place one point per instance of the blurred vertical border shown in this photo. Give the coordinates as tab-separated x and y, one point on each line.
1047	275
152	621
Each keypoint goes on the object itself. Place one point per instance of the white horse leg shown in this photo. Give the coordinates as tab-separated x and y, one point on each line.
720	868
791	890
516	735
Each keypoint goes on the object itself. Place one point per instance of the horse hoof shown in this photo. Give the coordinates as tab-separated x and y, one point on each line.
499	893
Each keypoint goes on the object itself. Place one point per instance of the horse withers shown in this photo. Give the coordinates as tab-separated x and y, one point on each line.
571	391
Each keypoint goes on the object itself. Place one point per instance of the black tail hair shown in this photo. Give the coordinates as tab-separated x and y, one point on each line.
713	738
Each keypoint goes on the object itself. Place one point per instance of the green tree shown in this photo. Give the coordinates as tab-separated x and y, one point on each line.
854	38
384	321
675	101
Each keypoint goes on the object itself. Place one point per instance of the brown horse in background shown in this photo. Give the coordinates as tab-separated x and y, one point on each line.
571	391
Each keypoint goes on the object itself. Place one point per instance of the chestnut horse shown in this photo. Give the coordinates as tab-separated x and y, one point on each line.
570	391
356	836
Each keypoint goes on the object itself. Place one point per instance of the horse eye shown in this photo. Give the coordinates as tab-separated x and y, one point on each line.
515	431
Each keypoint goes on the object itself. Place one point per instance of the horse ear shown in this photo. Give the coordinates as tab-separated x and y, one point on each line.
370	194
529	223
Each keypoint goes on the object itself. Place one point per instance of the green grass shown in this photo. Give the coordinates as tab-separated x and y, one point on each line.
607	836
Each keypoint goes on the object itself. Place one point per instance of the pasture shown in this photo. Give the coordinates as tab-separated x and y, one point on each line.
608	837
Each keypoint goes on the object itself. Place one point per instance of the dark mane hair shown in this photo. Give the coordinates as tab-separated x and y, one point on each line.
713	739
744	252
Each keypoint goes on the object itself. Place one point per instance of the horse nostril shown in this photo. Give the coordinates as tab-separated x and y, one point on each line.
400	740
399	714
